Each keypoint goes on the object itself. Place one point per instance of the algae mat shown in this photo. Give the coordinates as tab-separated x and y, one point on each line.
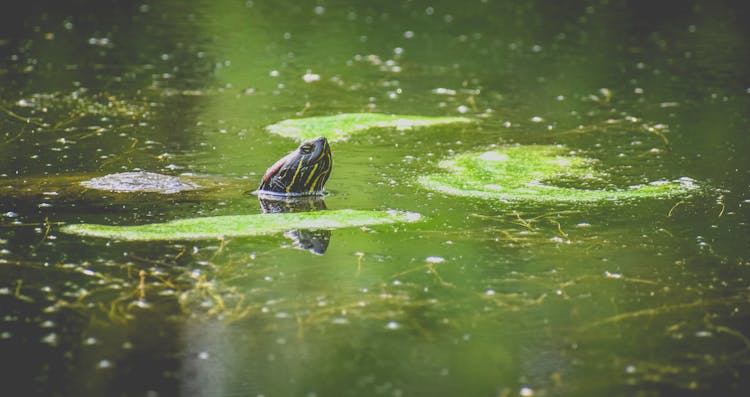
341	126
537	173
241	225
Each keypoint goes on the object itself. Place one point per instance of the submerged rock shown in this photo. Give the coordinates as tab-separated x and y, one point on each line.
141	181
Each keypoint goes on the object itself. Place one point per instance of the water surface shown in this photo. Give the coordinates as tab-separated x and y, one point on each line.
482	298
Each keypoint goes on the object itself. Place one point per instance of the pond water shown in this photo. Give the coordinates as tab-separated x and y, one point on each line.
481	298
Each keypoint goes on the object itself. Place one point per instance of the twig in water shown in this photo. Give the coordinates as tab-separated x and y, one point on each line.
669	214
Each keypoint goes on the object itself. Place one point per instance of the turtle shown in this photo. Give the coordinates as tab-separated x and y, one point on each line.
302	172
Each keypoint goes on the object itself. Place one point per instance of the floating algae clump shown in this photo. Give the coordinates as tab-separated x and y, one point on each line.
537	173
341	126
215	227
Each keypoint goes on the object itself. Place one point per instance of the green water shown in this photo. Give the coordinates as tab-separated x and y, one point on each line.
482	298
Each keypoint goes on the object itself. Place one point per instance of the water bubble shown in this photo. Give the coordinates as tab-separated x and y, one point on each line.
203	355
537	119
104	364
434	259
392	325
50	339
409	34
319	10
310	77
526	392
274	73
462	109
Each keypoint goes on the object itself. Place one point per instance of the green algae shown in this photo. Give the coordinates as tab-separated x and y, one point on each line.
218	227
537	173
341	126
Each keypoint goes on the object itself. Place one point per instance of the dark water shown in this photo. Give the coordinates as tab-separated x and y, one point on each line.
481	299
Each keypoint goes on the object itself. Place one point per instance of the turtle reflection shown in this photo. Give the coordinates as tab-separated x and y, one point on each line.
315	241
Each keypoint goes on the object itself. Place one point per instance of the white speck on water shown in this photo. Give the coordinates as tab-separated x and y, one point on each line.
444	91
310	77
462	109
5	335
203	355
392	325
630	369
409	34
507	124
50	339
612	275
319	10
536	48
583	224
526	392
537	119
434	259
560	98
104	364
90	341
274	73
489	292
638	90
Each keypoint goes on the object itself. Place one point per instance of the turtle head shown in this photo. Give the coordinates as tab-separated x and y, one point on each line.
304	171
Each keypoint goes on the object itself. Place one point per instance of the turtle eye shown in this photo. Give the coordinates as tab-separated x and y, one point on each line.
305	149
